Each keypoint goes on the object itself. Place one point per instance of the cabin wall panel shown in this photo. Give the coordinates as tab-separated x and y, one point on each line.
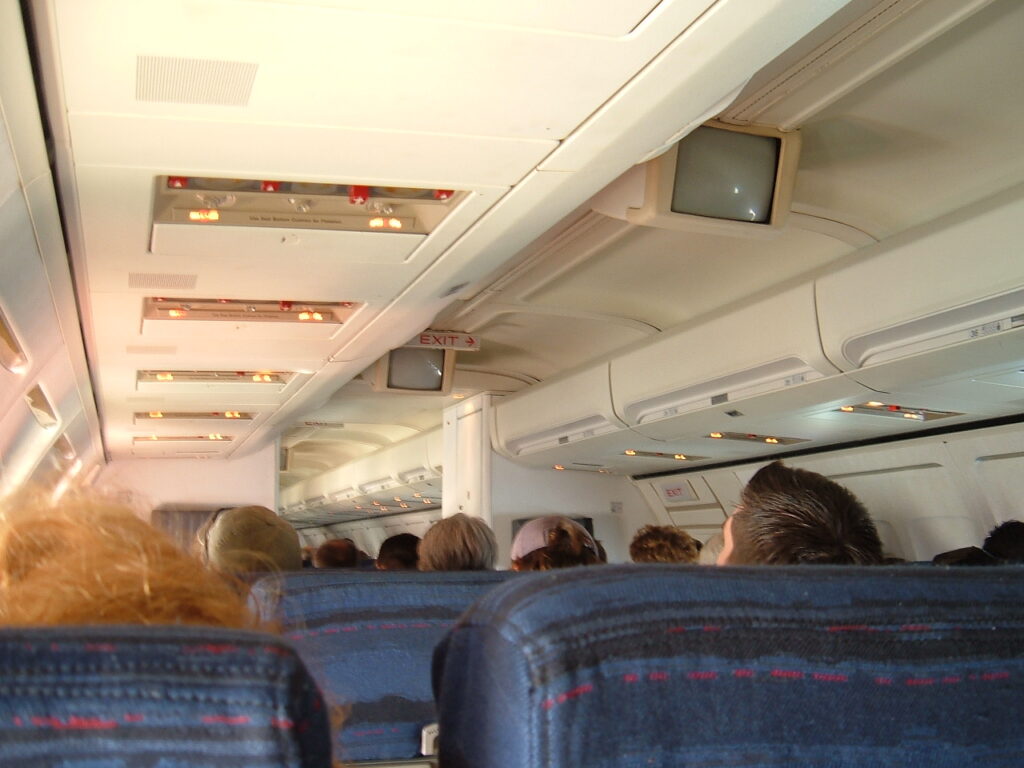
615	505
926	496
151	483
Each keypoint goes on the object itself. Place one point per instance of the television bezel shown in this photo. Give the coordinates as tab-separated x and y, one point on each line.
656	210
383	366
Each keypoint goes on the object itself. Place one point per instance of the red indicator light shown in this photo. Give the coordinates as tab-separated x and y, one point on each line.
358	194
893	408
177	182
443	194
270	186
285	306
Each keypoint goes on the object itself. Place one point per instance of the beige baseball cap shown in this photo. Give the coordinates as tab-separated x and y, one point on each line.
249	539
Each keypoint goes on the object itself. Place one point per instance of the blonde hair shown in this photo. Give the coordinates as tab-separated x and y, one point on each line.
458	543
91	561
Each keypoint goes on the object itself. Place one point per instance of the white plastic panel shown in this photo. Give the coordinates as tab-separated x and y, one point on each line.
932	288
273	243
571	409
769	345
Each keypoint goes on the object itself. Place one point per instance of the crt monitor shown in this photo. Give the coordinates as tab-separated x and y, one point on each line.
721	178
417	370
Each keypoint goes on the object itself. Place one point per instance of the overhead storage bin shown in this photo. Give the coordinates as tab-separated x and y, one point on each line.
570	409
952	281
767	345
378	483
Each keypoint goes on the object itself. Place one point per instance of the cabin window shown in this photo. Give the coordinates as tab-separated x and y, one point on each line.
12	357
41	407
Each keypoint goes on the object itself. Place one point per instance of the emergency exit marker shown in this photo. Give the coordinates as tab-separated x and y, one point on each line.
446	340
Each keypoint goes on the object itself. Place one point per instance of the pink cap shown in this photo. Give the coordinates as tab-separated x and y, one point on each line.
534	535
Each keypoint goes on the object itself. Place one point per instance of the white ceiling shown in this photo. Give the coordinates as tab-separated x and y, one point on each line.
531	108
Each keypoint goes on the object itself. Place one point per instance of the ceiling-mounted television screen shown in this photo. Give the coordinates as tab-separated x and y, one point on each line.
721	178
416	370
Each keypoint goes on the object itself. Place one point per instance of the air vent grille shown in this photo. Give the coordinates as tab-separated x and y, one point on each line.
161	281
194	81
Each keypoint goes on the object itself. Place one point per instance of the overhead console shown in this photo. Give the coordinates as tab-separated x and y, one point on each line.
205	214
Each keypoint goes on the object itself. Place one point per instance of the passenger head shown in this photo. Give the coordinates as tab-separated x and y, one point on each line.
663	544
90	561
709	552
250	539
551	542
1006	541
458	543
398	553
337	553
791	516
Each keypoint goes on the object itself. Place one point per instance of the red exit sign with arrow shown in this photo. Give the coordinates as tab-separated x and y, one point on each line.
446	340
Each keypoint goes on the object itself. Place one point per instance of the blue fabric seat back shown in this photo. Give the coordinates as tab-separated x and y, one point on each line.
690	665
368	639
157	697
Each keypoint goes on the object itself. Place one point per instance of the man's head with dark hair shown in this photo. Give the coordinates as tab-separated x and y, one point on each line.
793	516
398	553
1006	541
337	553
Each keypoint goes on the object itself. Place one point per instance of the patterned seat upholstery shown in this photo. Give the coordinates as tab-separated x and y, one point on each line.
368	639
156	697
781	666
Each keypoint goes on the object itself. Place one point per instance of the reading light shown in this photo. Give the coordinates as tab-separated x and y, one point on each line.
417	495
394	223
165	377
846	408
559	467
376	223
630	452
204	214
427	501
750	437
176	313
156	414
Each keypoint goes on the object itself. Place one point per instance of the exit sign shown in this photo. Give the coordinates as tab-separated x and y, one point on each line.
446	340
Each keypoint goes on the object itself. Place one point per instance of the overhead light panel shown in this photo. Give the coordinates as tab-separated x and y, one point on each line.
876	408
750	437
212	437
146	416
249	310
208	201
215	377
663	455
